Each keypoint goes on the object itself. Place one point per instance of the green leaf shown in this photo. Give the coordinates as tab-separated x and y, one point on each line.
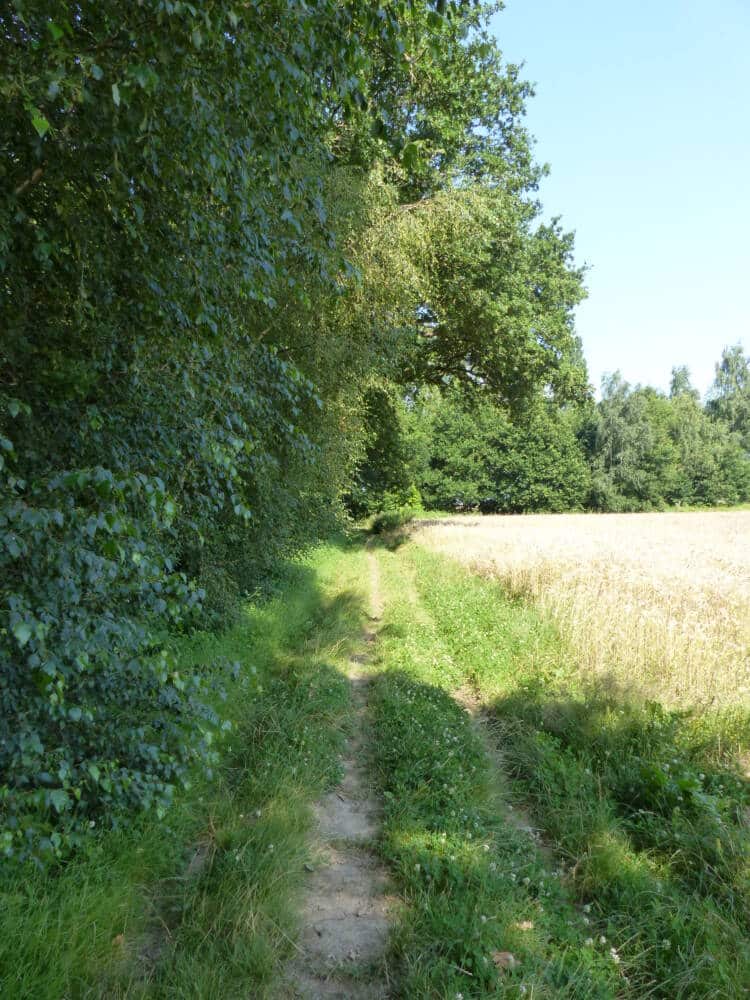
22	632
411	155
39	122
97	72
59	799
116	95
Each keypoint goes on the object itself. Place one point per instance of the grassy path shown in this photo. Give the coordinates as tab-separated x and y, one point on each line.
206	904
433	807
486	912
345	918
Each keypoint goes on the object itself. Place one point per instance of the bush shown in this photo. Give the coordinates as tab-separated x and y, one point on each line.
390	520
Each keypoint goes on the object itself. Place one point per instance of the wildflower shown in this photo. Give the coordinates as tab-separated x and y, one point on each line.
614	956
483	919
270	847
602	940
417	867
587	908
589	942
666	943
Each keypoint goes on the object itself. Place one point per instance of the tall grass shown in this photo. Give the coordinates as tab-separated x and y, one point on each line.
658	602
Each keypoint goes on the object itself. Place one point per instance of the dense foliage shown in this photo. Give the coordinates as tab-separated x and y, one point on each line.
637	449
649	450
225	233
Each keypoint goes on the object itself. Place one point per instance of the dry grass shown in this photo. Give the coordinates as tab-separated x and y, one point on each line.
660	601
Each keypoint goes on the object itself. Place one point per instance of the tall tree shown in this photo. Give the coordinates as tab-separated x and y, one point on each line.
729	396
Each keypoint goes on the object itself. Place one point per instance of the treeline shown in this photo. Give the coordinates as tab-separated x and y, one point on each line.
226	233
636	449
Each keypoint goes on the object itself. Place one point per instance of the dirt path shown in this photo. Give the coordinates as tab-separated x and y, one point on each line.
346	914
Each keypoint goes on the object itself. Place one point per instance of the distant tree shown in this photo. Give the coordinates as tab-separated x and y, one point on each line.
680	384
648	450
729	396
712	465
525	462
634	459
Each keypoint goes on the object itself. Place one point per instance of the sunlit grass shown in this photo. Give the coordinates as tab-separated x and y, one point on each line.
487	911
641	808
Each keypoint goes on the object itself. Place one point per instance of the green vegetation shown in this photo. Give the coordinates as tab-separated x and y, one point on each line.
649	450
644	810
637	449
224	229
205	904
545	836
263	267
489	911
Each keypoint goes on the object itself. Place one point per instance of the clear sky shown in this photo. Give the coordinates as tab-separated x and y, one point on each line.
642	111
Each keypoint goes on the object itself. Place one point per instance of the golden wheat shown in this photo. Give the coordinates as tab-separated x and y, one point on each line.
659	601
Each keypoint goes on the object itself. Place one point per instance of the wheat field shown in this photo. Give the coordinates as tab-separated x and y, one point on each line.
660	602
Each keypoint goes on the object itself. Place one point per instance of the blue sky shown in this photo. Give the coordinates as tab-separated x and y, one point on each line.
642	111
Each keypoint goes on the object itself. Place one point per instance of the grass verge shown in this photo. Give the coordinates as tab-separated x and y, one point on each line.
203	904
647	809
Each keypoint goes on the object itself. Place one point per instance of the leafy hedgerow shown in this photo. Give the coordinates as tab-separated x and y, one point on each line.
206	258
94	713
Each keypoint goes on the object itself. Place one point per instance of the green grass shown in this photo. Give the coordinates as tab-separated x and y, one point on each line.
133	918
475	885
637	887
646	809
